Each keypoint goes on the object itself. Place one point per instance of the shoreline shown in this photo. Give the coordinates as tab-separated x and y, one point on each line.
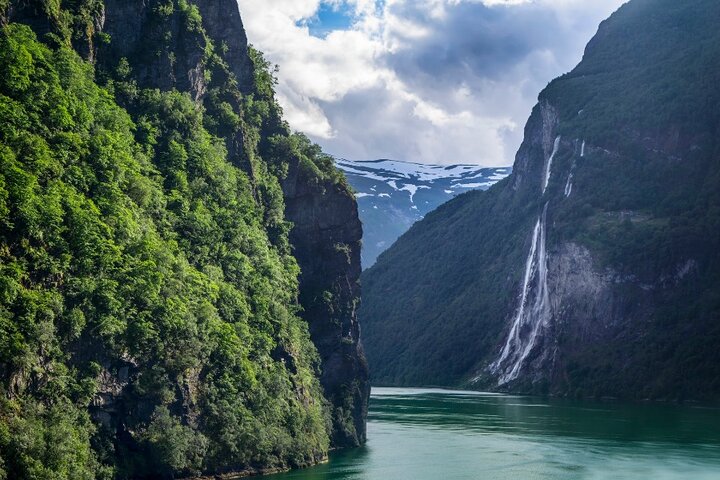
256	472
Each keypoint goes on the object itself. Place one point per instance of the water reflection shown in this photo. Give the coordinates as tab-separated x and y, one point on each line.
490	413
433	434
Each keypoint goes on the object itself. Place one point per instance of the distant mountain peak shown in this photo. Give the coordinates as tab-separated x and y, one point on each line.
394	194
397	169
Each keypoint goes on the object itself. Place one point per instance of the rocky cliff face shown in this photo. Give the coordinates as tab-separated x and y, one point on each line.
326	238
165	53
571	305
589	270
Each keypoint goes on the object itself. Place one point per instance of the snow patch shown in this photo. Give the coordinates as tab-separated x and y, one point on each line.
473	185
412	189
408	170
498	176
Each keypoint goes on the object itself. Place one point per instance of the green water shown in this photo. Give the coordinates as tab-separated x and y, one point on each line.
443	435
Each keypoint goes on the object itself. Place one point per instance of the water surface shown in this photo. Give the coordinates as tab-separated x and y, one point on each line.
422	434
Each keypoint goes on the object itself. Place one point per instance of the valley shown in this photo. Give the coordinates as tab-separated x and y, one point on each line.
191	287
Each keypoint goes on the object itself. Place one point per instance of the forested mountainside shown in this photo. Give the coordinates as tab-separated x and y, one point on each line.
392	195
178	271
594	269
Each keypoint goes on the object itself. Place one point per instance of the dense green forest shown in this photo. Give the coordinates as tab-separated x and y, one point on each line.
137	256
644	203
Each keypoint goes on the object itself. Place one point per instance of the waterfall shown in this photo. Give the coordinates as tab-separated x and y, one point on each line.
568	185
533	314
514	336
582	149
548	167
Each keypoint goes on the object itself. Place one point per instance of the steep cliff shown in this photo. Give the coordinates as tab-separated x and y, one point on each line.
326	238
592	269
180	272
326	231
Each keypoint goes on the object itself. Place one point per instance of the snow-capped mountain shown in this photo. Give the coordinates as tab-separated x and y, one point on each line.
392	195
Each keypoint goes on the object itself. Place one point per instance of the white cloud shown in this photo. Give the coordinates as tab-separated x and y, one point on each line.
420	80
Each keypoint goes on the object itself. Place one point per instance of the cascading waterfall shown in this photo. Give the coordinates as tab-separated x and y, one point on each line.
568	185
548	167
532	317
514	336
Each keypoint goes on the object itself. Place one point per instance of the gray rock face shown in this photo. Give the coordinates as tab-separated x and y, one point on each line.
222	22
582	297
139	32
326	239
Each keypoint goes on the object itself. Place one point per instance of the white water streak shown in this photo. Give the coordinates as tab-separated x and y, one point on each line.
514	337
528	323
548	167
582	149
568	186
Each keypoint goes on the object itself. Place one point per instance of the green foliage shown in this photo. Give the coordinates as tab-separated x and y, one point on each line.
173	447
130	238
631	77
278	145
47	442
434	302
313	162
166	8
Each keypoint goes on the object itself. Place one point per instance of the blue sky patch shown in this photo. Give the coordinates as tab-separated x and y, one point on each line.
329	18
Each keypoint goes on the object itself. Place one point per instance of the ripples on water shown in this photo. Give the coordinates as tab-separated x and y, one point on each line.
425	434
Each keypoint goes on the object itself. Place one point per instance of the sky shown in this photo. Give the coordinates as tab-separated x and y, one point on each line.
429	81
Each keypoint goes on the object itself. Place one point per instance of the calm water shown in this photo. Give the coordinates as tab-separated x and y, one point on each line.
444	435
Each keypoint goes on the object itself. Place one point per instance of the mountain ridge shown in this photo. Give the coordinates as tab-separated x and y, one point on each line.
591	270
393	195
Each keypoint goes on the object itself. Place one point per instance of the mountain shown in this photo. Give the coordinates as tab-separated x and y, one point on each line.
178	270
594	269
393	195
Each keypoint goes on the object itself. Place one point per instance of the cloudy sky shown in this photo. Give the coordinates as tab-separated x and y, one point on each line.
432	81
